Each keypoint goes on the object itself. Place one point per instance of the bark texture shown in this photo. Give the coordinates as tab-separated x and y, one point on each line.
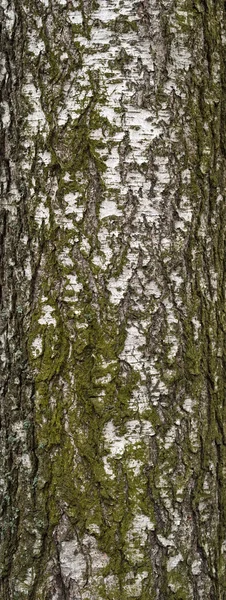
112	300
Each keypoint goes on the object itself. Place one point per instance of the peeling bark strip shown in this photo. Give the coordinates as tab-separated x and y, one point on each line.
112	299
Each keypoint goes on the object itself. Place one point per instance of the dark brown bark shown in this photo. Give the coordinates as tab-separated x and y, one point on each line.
112	300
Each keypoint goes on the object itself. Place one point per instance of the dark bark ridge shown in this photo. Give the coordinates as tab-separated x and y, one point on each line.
112	300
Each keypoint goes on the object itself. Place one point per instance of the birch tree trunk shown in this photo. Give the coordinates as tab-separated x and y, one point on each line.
112	299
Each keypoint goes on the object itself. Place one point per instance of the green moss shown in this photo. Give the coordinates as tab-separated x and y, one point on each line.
72	401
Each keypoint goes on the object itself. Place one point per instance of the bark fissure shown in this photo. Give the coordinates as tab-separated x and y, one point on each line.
112	300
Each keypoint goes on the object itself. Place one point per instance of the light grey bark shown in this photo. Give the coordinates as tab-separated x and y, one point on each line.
112	300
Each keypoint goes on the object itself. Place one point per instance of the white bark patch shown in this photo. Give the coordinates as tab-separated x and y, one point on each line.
181	56
35	45
27	270
114	443
36	117
135	432
37	346
42	214
194	437
134	585
65	259
188	405
142	524
106	12
19	430
153	289
196	567
63	222
117	287
109	208
74	284
26	461
173	562
134	589
3	352
47	318
75	558
196	323
110	581
5	114
135	465
45	157
137	536
147	429
108	468
2	67
73	563
74	97
166	541
85	246
170	437
137	123
10	17
75	17
132	352
72	207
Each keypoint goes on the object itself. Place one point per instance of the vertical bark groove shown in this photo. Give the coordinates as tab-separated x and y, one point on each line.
112	474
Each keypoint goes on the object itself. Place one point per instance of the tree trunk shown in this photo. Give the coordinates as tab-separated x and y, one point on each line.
112	299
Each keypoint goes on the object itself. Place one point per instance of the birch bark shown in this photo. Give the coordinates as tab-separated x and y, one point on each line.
112	300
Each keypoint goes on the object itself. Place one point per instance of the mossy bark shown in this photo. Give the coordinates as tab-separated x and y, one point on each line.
112	300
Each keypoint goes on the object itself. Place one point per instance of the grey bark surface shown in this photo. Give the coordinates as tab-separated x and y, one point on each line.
112	422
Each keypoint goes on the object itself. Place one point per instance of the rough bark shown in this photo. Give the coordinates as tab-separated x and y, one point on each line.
112	300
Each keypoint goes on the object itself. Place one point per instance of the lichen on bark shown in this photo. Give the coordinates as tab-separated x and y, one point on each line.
112	290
